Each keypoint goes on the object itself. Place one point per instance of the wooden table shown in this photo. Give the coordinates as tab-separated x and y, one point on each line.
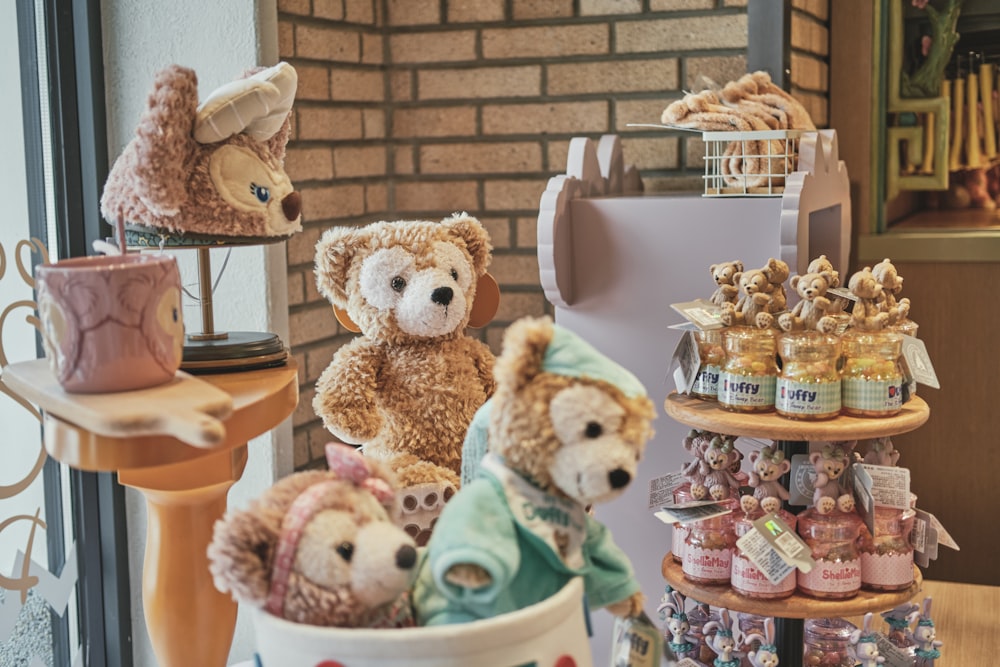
183	447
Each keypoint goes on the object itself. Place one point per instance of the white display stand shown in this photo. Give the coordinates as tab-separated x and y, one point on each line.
612	262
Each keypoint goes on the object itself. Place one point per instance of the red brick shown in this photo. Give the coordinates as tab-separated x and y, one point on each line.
483	158
329	9
480	82
286	39
515	269
527	232
615	76
544	41
436	196
311	324
637	111
499	231
408	12
475	11
424	122
513	194
308	164
360	11
546	118
514	305
542	9
376	198
818	8
358	161
433	46
302	246
372	49
809	35
314	82
319	204
300	7
296	288
605	7
403	160
691	33
304	413
329	44
326	123
401	86
300	449
357	85
720	69
674	5
651	152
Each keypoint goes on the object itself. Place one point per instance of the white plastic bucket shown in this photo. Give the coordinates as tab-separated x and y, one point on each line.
552	633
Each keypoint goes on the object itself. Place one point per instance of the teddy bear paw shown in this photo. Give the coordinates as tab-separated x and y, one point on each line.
698	491
719	492
764	320
845	503
770	505
748	504
786	321
421	504
826	325
825	505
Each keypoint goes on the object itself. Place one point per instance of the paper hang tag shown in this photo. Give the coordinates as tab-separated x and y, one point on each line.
894	656
688	512
637	642
688	362
703	314
786	542
889	486
756	547
917	363
924	539
661	489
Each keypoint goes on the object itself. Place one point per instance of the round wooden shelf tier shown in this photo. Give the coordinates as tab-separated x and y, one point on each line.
797	606
708	416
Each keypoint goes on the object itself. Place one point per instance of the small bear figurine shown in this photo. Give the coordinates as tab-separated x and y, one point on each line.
881	452
755	306
830	464
892	284
697	443
811	313
767	466
867	314
720	457
777	273
727	290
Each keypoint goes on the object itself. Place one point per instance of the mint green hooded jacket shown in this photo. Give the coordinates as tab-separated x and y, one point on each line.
519	549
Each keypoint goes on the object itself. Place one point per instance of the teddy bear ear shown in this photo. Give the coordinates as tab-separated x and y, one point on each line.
240	555
158	154
477	239
335	253
524	346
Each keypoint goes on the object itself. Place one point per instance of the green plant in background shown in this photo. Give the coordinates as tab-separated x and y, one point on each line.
926	80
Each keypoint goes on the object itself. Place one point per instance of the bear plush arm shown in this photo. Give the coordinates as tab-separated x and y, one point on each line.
349	409
609	578
478	531
483	359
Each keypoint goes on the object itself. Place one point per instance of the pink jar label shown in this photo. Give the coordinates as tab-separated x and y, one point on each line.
747	578
887	569
707	563
751	391
832	577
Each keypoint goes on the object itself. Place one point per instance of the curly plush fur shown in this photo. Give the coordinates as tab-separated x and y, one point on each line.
407	388
167	180
356	591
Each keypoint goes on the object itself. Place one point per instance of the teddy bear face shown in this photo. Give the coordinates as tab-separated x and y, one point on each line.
864	285
598	452
754	281
768	470
885	274
404	281
820	265
723	273
429	294
811	285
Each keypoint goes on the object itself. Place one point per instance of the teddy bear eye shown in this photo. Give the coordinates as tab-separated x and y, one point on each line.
454	274
346	551
398	283
260	192
593	430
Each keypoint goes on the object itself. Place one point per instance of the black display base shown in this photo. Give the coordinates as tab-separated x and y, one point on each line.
239	351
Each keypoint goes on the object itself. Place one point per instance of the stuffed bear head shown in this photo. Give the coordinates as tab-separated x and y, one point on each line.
211	170
565	416
725	277
811	285
319	547
406	281
821	264
776	271
886	275
753	281
864	285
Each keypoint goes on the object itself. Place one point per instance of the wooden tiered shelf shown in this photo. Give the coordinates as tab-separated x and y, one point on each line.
792	436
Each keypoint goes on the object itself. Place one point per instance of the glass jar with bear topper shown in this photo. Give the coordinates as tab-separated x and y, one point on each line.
832	539
746	578
682	494
809	383
712	356
708	548
886	554
872	379
748	378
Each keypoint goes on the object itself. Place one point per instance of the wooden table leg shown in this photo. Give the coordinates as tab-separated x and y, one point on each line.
189	621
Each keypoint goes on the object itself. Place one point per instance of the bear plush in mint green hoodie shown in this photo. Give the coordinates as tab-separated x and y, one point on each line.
565	429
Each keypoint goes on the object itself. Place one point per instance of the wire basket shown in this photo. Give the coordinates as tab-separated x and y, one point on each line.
749	164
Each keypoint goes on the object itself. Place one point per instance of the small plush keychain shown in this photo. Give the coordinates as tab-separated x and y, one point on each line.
676	624
924	636
766	654
721	638
865	644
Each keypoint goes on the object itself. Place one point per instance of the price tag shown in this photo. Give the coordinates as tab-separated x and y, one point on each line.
783	541
694	511
894	656
661	489
917	363
703	314
762	554
688	362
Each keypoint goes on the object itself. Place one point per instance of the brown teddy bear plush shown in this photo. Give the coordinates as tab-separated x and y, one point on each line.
407	388
727	287
211	170
566	429
319	548
754	307
892	284
867	313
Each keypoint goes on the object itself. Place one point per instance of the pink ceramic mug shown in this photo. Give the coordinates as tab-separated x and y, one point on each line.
111	323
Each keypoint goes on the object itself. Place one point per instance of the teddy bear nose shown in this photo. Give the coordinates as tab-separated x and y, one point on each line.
619	478
442	295
291	205
406	556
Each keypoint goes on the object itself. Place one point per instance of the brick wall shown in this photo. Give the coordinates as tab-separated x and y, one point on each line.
810	41
418	108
